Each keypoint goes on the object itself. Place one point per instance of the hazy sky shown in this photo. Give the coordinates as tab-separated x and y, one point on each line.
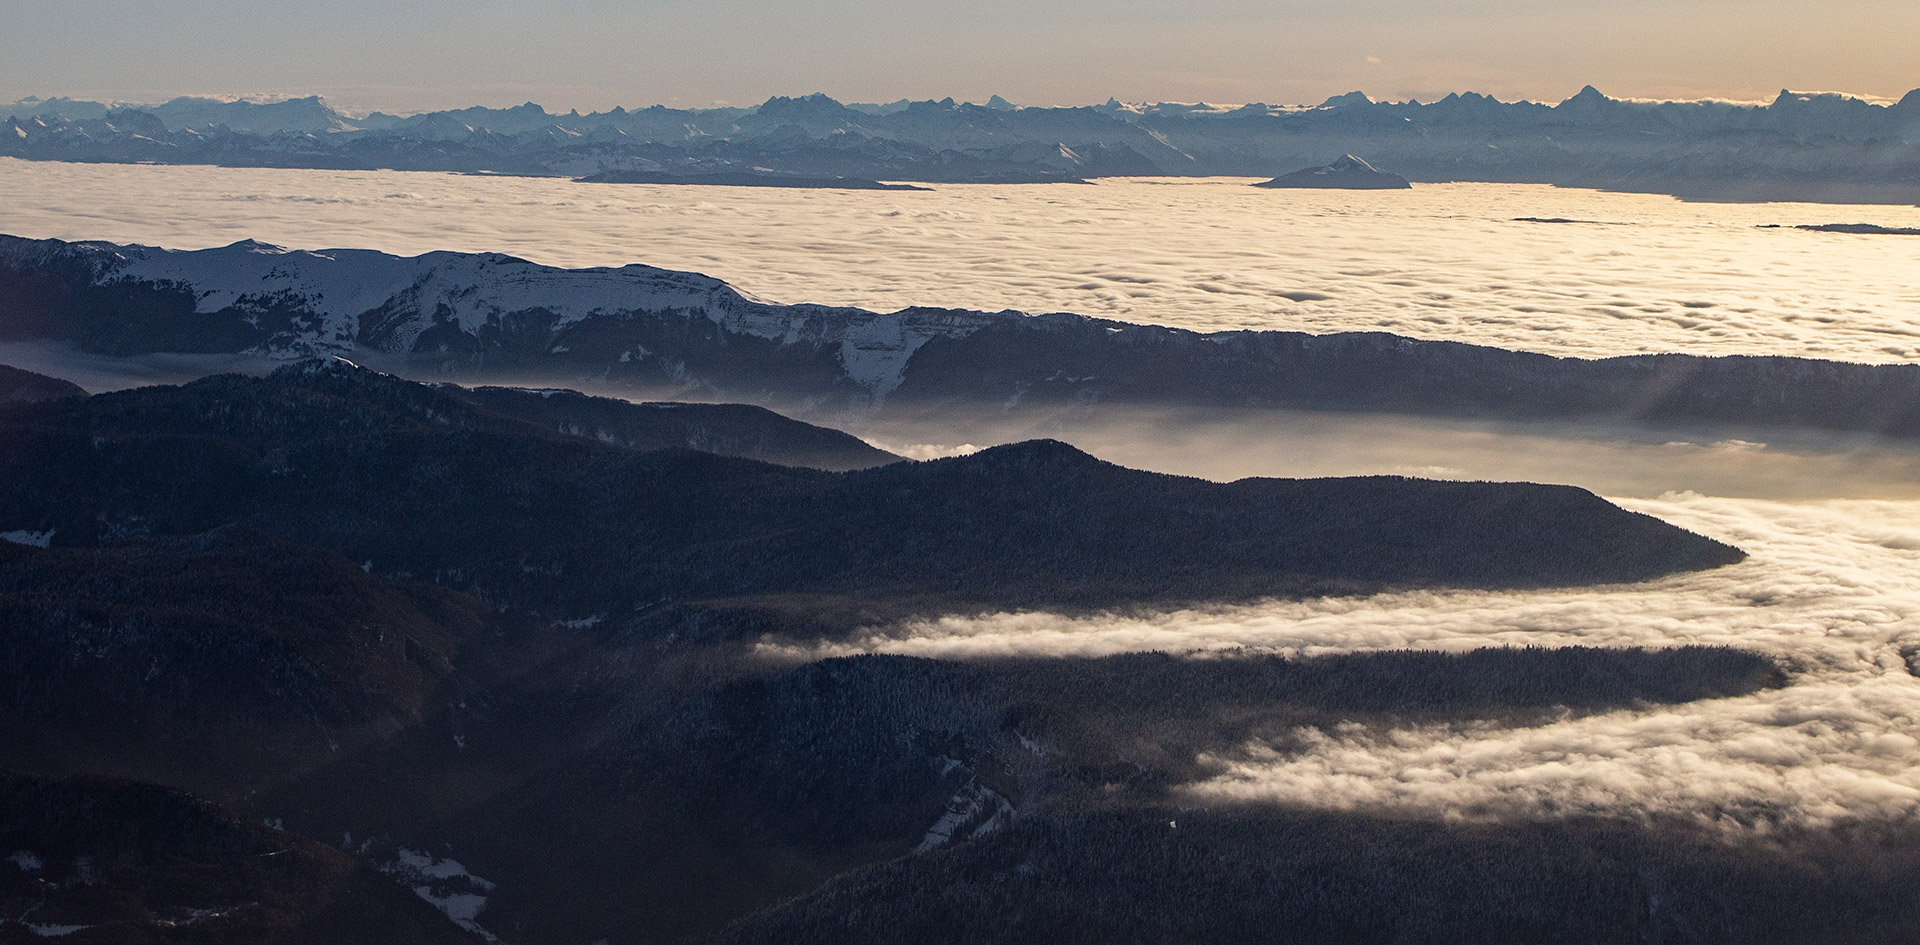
593	54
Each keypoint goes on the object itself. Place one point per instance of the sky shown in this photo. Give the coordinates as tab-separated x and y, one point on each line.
594	54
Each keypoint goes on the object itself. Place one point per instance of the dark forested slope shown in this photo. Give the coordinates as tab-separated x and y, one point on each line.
418	483
726	429
17	385
98	860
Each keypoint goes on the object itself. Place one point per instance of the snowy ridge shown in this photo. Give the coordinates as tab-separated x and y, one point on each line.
339	300
445	884
466	289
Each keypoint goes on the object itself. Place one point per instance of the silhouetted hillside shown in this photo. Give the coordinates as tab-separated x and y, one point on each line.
18	385
726	429
213	658
417	483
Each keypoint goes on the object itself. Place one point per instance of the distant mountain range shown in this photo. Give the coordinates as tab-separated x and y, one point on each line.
489	318
1821	147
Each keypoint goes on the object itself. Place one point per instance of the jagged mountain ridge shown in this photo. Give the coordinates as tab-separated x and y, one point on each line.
1820	146
497	319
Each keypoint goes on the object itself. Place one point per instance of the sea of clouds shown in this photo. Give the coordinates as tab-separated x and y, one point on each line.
1453	261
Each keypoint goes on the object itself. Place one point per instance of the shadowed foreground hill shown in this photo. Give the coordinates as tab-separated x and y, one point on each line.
1173	875
97	860
739	430
420	618
418	483
212	658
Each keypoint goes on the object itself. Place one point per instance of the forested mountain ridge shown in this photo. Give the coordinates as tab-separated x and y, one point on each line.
422	484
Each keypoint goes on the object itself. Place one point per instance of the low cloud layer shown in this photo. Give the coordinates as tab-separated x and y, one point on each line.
1832	591
1440	261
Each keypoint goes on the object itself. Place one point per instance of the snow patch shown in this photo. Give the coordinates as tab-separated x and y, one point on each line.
446	884
27	862
54	931
974	811
24	537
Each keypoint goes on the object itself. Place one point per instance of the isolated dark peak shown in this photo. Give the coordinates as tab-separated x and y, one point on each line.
1355	97
324	367
816	104
1908	102
1588	95
1033	454
1350	172
811	98
1000	104
251	245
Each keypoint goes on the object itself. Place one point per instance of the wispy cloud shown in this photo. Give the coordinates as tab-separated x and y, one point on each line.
1832	591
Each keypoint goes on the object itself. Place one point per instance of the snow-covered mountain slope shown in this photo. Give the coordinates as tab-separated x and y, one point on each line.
476	309
491	318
